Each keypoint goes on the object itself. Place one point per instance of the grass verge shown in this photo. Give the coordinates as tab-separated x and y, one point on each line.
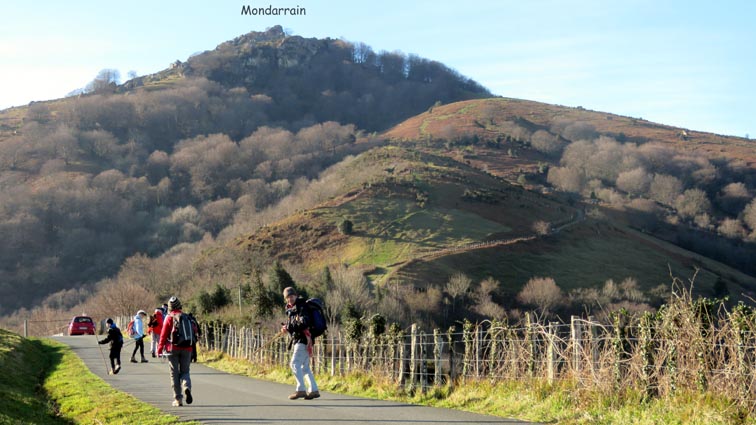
534	400
48	384
23	364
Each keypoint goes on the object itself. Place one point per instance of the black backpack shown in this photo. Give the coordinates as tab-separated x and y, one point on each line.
184	334
195	324
318	324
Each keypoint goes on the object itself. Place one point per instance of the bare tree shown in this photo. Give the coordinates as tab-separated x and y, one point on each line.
691	203
349	287
733	198
217	214
457	287
579	131
484	304
566	179
542	293
665	189
541	227
749	215
635	182
545	142
105	81
731	228
116	298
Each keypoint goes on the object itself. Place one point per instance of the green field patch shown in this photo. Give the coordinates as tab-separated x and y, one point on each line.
387	230
381	252
575	259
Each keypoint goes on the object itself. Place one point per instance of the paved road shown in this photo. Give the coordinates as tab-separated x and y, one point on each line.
222	398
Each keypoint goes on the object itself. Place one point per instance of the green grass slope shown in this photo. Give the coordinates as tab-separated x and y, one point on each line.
583	256
23	366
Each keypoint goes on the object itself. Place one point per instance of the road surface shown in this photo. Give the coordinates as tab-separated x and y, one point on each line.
222	398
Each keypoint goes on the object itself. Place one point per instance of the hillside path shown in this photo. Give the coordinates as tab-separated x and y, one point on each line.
434	255
222	398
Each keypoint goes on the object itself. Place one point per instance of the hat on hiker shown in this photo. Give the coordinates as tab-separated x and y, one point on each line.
289	291
174	304
141	313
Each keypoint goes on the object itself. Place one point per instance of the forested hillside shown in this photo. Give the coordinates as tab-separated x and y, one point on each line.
89	180
264	162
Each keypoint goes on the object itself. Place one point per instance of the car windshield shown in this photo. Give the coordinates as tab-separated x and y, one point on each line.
83	320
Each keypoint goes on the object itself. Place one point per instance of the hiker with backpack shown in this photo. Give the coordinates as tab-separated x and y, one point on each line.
176	340
196	326
298	326
136	331
116	343
155	326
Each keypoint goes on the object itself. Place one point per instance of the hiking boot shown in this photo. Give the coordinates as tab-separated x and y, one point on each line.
177	403
133	360
110	372
189	398
297	394
117	369
312	394
144	361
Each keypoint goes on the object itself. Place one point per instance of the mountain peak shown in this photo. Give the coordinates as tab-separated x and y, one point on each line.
274	33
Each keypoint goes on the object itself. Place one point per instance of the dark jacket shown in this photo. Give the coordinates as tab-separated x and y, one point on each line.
114	338
297	323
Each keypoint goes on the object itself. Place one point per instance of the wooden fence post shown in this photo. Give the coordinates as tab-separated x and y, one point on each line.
741	331
423	363
215	336
401	359
467	336
391	348
594	344
413	356
438	347
452	364
494	351
619	344
512	350
478	350
551	352
342	353
576	335
332	337
647	354
531	343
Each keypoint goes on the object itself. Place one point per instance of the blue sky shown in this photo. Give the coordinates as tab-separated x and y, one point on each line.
685	63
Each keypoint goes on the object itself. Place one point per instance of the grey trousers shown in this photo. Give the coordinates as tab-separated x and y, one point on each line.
179	361
300	365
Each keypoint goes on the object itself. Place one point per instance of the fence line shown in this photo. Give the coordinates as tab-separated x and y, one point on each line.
657	359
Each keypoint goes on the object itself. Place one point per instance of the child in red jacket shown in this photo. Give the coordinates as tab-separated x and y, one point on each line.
155	327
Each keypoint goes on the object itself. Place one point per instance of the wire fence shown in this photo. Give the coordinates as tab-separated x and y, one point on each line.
648	354
686	345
